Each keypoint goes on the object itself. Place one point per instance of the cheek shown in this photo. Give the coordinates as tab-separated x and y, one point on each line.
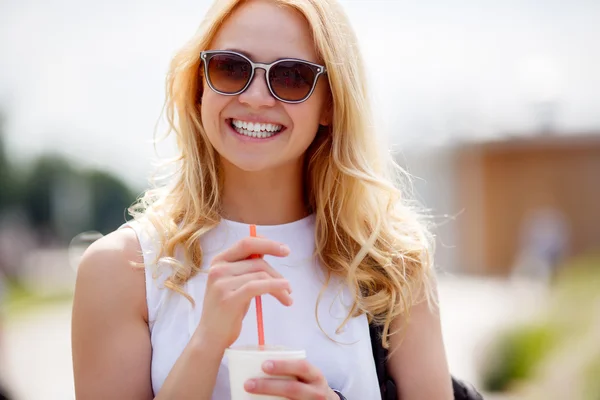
210	110
313	109
306	117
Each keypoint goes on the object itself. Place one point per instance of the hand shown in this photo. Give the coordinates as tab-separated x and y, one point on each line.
233	281
308	383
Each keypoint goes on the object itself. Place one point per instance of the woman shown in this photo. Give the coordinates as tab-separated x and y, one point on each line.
269	105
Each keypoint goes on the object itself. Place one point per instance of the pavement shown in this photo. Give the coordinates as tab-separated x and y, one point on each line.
36	354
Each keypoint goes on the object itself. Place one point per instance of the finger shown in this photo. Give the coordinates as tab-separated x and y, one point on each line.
249	266
262	237
299	369
244	248
241	268
239	281
287	388
278	288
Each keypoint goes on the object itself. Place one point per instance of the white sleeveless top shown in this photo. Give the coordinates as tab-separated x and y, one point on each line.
345	358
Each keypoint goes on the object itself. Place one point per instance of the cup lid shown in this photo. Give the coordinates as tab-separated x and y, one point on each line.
265	348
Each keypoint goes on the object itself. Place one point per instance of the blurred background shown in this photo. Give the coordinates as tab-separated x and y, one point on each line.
493	106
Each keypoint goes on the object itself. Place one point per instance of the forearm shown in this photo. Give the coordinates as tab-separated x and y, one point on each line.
194	374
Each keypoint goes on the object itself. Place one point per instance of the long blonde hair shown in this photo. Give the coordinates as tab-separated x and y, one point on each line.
367	231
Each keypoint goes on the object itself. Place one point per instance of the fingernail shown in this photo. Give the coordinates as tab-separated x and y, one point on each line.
284	249
250	385
268	366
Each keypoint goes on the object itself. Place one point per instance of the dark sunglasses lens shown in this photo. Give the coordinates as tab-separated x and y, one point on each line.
292	80
228	73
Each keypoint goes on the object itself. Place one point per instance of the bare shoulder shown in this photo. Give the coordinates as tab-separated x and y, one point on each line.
112	267
110	337
121	244
418	361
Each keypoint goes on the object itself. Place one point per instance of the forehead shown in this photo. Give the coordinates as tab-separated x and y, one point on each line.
266	31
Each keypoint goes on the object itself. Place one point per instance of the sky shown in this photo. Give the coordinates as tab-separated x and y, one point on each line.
86	78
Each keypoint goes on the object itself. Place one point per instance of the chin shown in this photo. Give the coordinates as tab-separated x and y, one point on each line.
250	165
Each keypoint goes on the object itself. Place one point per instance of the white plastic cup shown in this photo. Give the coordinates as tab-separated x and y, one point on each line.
246	363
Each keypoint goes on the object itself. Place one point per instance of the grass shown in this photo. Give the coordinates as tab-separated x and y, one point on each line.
517	354
592	382
20	300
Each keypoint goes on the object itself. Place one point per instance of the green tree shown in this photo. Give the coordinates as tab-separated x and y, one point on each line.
6	189
110	199
62	201
40	188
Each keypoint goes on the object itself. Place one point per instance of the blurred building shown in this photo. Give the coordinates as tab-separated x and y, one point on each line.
505	202
539	194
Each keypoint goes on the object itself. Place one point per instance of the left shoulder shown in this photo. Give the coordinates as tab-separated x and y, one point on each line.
417	361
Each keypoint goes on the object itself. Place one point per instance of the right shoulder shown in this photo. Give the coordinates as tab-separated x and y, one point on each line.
120	245
110	340
113	268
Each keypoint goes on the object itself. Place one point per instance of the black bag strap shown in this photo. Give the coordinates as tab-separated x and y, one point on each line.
3	395
386	383
462	390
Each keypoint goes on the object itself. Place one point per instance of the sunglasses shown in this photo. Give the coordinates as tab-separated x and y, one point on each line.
289	80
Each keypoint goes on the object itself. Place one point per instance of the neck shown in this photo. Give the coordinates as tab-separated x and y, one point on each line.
271	197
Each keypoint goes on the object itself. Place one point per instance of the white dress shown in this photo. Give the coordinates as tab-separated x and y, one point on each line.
345	358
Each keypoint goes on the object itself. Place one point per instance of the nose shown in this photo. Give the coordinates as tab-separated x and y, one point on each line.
257	95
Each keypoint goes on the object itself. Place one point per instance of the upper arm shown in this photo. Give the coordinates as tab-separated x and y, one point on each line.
417	360
110	338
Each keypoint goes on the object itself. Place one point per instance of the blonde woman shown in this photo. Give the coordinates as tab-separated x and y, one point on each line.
270	109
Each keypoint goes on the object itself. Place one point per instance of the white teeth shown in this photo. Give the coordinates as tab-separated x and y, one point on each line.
255	129
254	134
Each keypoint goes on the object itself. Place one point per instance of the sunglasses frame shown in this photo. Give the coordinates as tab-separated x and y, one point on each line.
207	55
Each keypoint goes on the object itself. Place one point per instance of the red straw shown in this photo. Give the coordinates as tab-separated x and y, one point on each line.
258	301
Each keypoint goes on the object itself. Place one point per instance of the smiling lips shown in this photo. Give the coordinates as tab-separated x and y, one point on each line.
255	129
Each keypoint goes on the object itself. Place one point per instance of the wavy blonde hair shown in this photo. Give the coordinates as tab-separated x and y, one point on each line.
366	230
